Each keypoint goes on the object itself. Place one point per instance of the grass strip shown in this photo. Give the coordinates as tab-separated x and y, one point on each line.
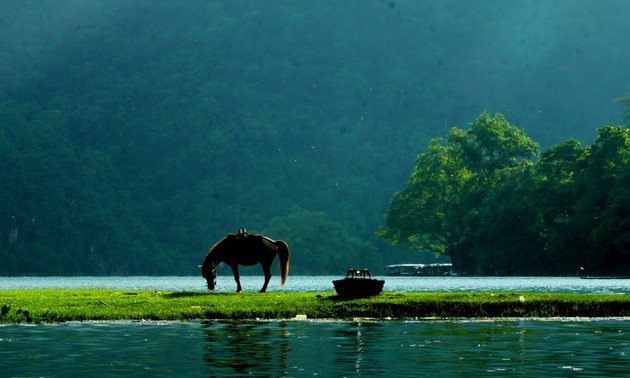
52	306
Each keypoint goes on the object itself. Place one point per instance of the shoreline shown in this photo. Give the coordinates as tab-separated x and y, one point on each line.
357	320
65	305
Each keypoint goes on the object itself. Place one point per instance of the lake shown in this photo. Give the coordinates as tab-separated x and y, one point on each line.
516	348
324	283
479	348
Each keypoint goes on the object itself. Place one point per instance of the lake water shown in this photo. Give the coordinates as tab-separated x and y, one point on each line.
324	283
518	348
526	348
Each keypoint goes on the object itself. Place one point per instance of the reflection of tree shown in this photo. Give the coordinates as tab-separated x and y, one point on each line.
360	349
246	348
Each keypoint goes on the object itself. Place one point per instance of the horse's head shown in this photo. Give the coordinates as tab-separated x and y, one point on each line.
211	279
216	256
209	272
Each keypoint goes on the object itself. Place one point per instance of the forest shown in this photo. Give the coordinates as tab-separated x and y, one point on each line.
135	134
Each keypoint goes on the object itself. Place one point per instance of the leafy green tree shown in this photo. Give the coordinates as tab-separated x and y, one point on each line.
506	237
554	197
490	145
611	237
426	213
598	223
439	208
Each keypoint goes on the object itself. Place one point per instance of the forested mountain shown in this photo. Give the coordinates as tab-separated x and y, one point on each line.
134	134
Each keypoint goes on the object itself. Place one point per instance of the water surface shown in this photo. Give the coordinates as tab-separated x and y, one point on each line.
324	284
291	348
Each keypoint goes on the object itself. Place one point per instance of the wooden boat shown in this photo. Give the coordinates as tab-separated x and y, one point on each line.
358	284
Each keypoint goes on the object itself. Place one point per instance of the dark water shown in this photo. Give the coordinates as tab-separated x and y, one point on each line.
292	348
324	284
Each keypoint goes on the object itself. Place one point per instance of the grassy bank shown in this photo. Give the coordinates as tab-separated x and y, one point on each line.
26	306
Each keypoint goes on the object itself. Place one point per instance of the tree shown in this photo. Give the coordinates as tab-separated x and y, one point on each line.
600	223
438	209
423	216
554	196
507	238
611	237
490	145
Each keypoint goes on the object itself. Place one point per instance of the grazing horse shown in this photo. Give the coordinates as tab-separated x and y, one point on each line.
245	249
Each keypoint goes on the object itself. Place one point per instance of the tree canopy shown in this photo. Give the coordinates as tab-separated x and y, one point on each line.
451	182
483	198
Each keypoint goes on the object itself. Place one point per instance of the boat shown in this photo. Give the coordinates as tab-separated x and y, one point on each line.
358	284
437	269
582	274
605	277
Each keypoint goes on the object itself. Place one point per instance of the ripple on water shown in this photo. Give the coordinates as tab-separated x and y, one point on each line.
324	284
433	348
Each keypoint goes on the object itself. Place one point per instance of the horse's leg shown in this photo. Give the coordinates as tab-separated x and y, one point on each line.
237	278
267	270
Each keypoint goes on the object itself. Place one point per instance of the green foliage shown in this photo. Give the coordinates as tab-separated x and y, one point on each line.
490	145
418	217
508	215
320	245
451	184
599	221
17	316
61	207
505	229
578	195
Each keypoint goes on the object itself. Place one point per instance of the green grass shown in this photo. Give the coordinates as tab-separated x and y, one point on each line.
50	306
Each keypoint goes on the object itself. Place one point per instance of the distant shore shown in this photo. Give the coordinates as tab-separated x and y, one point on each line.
54	306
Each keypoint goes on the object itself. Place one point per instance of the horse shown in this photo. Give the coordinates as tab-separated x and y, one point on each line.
245	249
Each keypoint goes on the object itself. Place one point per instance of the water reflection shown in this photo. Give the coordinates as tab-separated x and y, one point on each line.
246	348
295	348
291	348
434	349
358	347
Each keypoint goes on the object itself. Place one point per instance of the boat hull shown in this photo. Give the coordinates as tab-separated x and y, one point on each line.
358	287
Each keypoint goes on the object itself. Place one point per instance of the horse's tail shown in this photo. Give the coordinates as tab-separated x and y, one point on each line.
283	252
